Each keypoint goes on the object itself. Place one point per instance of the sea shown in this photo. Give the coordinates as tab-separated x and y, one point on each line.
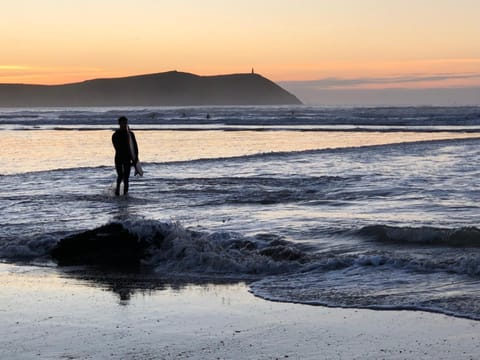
358	207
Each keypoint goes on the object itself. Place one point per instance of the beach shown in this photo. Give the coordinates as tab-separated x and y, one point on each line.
240	180
53	315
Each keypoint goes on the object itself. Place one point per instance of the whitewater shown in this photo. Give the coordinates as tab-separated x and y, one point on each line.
345	207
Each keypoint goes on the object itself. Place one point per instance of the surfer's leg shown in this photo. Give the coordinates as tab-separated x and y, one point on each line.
120	175
126	176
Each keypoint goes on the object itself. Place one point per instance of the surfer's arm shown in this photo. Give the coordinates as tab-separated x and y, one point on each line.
115	141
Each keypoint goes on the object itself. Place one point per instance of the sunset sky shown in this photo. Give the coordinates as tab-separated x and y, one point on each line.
339	44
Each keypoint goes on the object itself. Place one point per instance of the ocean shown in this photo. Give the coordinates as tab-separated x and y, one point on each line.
336	206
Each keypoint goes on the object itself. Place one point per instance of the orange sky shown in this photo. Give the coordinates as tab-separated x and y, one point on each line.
60	41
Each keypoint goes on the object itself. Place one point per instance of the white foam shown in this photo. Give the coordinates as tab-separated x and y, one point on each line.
175	248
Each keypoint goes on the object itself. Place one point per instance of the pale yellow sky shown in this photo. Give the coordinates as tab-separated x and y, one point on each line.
59	41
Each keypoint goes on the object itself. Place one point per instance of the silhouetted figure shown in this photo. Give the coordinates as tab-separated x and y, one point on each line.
123	153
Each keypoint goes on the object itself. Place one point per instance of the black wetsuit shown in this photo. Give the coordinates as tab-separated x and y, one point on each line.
123	157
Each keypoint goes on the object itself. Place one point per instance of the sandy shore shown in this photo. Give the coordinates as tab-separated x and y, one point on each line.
49	314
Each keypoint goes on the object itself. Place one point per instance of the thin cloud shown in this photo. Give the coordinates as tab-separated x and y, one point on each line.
46	75
346	83
7	70
13	67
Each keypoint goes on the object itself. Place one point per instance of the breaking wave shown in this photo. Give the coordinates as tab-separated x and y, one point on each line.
456	237
170	247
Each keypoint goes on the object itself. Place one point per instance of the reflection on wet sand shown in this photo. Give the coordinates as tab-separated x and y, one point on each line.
126	283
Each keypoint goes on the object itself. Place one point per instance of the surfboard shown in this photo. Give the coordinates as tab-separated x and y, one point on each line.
137	165
138	168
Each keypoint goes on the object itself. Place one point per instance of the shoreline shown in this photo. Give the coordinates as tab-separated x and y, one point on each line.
48	313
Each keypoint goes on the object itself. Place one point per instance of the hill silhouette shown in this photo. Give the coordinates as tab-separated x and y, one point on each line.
161	89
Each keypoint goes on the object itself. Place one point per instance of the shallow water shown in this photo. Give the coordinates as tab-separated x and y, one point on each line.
38	150
376	219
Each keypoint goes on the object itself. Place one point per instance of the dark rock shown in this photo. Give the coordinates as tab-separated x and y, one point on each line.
279	253
110	245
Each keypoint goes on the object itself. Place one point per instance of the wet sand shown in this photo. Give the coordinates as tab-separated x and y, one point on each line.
48	313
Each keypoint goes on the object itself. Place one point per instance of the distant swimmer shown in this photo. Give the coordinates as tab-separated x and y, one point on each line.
126	153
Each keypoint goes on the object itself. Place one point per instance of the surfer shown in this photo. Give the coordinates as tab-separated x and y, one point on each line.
126	153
